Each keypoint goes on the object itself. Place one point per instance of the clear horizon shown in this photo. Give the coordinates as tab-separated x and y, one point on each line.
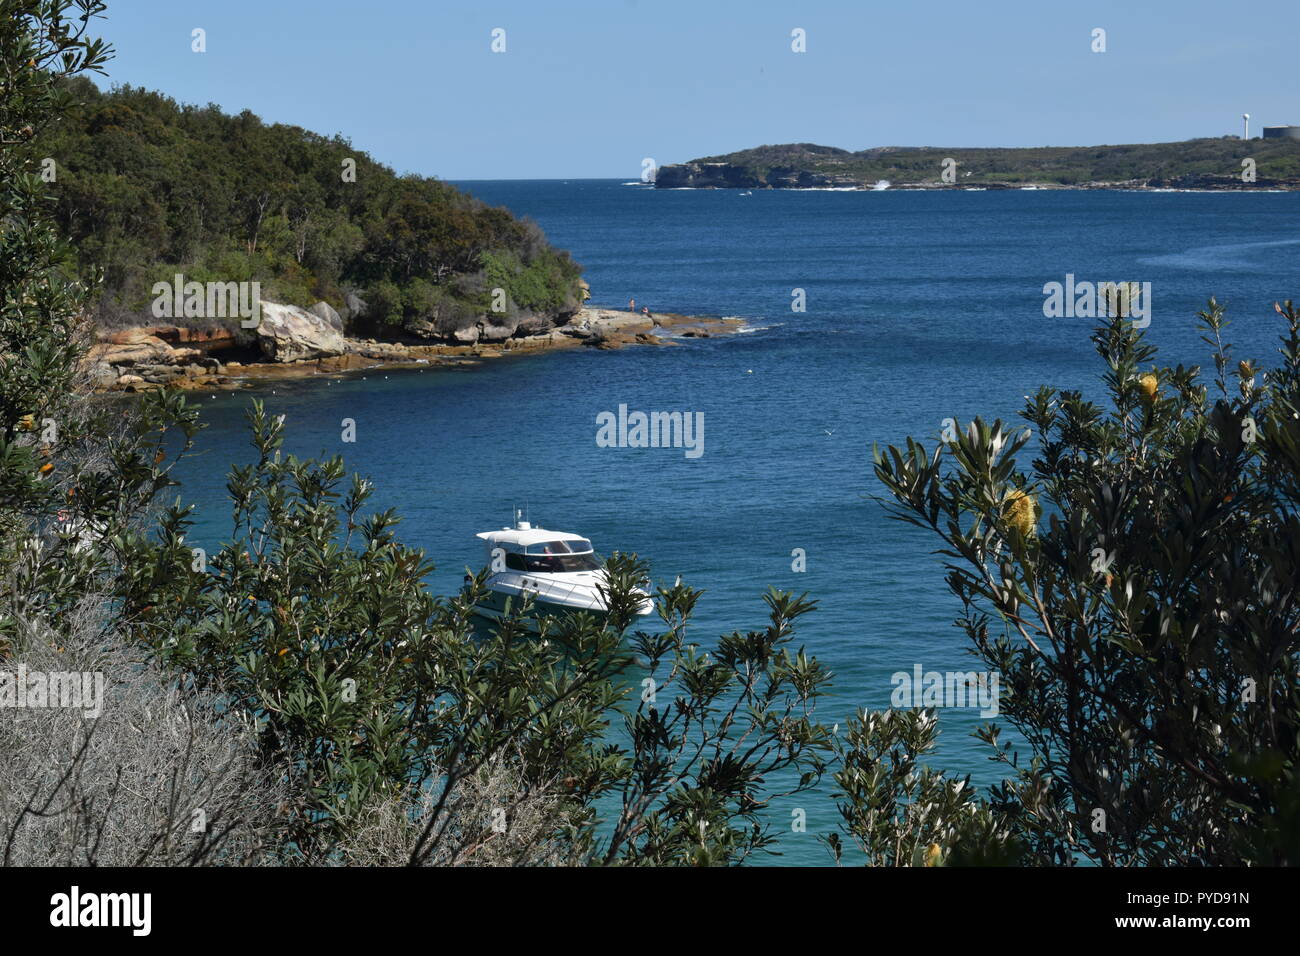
588	90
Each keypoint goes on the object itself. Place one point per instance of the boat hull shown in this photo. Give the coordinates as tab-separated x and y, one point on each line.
497	605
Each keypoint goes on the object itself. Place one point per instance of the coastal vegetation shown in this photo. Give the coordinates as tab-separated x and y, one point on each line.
1144	618
1197	163
299	697
146	188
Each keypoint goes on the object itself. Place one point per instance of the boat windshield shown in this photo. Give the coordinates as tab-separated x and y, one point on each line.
573	546
555	556
557	562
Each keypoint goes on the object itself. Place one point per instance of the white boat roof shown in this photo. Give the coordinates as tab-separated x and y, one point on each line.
526	535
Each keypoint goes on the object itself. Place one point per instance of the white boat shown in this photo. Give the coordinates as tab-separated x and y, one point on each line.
558	570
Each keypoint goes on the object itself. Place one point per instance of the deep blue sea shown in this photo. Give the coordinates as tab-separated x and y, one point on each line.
919	306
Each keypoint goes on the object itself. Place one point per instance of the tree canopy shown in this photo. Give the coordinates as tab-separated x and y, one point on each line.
147	187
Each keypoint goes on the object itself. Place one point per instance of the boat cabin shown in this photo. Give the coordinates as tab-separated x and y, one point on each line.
538	551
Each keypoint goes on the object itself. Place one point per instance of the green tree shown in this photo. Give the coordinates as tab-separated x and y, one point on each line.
388	707
1137	589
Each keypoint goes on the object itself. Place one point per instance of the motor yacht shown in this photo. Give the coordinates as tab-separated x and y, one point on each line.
558	570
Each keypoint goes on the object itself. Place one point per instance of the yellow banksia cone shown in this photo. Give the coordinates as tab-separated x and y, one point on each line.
933	854
27	423
47	468
1150	386
1022	512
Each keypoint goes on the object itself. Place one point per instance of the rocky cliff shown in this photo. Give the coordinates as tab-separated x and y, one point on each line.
702	175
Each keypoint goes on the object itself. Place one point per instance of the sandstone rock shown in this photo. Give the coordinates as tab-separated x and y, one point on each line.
326	311
421	328
498	328
131	336
138	347
158	374
102	375
609	340
344	363
533	324
604	321
289	334
213	337
130	347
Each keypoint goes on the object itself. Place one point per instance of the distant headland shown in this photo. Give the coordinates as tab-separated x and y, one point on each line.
1225	163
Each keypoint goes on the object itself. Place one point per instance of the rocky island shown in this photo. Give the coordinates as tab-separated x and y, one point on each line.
1224	163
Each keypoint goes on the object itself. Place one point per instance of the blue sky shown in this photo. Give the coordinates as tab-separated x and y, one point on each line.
589	89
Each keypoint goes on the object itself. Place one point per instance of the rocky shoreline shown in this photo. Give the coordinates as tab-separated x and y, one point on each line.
294	343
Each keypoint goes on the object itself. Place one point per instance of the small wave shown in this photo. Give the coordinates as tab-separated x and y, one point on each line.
1208	192
1233	255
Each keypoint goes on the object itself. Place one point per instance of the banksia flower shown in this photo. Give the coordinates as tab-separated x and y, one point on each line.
933	854
1022	512
47	468
1150	386
27	423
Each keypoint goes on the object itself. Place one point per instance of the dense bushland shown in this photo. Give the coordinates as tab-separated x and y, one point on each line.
146	188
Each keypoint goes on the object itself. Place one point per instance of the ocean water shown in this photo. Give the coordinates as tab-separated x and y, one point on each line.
919	306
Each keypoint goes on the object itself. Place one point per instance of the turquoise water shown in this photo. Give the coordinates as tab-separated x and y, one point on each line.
920	306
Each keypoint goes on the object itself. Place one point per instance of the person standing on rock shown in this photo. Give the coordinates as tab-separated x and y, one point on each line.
645	310
631	305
